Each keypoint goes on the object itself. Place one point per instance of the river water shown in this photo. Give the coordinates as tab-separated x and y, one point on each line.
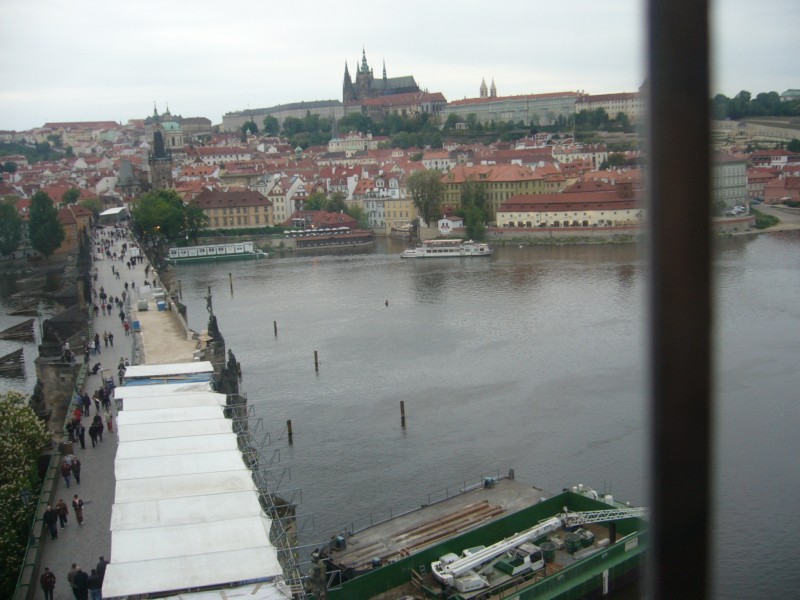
533	359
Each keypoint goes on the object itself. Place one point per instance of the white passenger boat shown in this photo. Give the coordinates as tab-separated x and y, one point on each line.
447	248
235	251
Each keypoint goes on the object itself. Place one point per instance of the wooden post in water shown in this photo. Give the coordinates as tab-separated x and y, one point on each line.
230	279
180	290
403	414
289	430
275	327
316	361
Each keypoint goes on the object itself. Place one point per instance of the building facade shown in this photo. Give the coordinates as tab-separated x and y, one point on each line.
234	210
729	181
532	108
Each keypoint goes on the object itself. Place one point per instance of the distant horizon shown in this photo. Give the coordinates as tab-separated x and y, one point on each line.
58	65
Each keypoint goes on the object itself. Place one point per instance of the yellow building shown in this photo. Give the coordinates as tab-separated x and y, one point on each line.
501	181
234	210
398	212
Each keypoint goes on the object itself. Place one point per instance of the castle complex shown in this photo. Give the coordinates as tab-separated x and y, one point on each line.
367	86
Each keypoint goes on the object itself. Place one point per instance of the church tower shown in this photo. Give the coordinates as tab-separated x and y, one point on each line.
493	90
363	78
160	161
348	92
484	91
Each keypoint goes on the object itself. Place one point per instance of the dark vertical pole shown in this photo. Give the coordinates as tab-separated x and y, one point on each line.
275	327
230	280
289	431
680	297
403	414
180	290
316	361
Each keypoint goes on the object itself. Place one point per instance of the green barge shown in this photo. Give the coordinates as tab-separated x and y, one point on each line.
502	540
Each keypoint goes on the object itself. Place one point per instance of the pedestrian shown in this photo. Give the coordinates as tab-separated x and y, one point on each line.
81	585
96	399
71	579
48	583
62	510
98	427
126	286
122	320
76	469
66	472
111	339
126	326
87	404
105	339
78	412
133	285
77	506
110	421
50	518
108	308
101	568
94	584
93	434
103	308
82	436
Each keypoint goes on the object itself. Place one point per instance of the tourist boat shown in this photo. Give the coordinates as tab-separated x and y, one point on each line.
447	248
334	237
235	251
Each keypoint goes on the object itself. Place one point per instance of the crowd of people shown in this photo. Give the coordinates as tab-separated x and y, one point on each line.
94	414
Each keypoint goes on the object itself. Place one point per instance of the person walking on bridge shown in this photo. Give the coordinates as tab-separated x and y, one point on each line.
48	583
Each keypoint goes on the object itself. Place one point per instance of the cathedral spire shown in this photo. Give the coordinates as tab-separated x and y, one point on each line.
384	68
484	91
493	89
364	66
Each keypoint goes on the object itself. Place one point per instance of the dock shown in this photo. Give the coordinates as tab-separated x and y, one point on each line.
430	525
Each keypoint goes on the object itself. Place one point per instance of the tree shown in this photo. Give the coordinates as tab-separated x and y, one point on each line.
195	221
10	229
452	120
359	215
794	145
45	230
473	194
161	215
271	125
70	196
315	201
92	204
20	446
474	221
10	166
292	126
336	203
249	126
426	189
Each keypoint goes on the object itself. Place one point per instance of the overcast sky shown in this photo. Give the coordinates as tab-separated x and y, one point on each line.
108	60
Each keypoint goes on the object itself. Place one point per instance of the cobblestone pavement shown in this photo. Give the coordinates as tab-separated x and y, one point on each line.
86	543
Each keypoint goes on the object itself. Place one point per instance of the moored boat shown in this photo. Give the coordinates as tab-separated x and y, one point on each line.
447	248
235	251
493	540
